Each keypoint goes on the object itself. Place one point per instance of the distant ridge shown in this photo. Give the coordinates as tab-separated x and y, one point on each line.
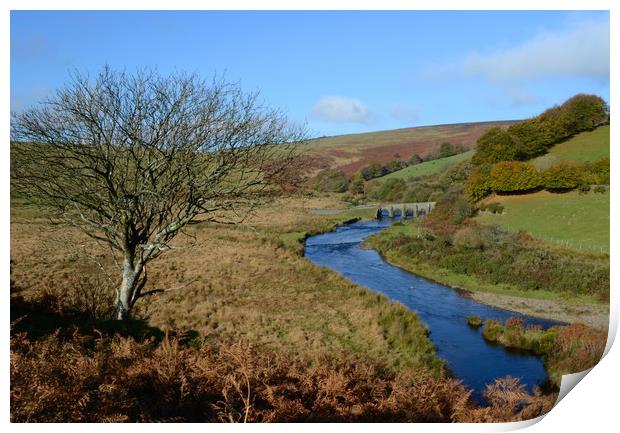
407	128
350	152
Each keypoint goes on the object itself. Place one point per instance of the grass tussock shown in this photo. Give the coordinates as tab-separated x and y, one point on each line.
474	321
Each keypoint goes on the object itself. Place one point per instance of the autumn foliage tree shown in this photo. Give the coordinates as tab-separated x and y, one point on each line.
512	176
495	145
532	137
563	176
478	185
131	159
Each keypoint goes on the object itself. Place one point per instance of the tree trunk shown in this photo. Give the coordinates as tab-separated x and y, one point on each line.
126	290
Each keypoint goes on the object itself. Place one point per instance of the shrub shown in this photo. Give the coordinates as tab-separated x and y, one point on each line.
516	177
584	189
123	380
533	136
468	237
462	210
478	185
563	176
356	186
600	189
495	208
599	171
418	193
513	176
446	150
584	112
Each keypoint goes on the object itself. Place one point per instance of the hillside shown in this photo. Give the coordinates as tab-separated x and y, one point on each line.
572	219
430	167
351	152
587	146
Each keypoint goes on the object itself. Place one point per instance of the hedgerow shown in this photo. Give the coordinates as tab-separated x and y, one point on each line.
522	177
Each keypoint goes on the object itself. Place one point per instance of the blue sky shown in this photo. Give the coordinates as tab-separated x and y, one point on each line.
339	72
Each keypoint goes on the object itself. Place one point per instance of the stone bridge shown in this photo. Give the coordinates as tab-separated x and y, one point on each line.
403	210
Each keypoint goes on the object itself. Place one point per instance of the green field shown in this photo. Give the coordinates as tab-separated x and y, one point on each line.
569	219
587	146
430	167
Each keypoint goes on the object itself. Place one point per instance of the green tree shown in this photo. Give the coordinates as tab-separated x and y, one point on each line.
446	150
394	165
415	159
331	181
372	171
583	112
357	185
390	190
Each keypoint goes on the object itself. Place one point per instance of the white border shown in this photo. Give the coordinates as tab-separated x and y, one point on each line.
591	406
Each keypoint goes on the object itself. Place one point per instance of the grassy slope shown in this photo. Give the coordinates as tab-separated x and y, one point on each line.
243	282
429	167
587	146
350	152
578	221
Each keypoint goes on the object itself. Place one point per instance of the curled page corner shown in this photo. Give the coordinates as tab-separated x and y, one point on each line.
568	383
612	329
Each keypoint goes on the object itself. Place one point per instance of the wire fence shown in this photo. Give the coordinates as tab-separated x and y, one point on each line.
573	244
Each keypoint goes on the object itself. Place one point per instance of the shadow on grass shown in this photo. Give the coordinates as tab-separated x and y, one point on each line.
43	316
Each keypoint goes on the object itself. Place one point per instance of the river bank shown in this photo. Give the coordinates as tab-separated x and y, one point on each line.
541	303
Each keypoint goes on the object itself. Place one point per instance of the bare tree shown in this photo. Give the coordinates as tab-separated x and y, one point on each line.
132	158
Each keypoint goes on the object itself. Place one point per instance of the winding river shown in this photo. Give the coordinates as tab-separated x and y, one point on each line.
442	309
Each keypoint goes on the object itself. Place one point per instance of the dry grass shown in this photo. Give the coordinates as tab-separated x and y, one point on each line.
238	282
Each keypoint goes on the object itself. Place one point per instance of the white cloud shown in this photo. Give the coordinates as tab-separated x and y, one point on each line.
582	50
404	112
341	109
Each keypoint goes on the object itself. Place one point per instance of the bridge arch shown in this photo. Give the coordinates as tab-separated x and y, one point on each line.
404	210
